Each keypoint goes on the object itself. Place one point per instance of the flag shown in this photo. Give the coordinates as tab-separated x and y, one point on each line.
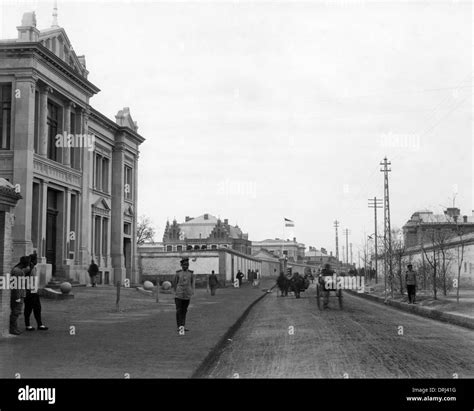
289	223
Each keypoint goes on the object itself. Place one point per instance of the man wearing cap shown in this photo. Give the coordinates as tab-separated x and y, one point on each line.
410	278
184	286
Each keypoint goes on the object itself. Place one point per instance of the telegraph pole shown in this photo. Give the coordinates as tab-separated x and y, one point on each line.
387	230
347	232
375	203
336	224
350	245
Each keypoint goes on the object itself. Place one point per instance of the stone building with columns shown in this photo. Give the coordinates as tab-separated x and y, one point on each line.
76	169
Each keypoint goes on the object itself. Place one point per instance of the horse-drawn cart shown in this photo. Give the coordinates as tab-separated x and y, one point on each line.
325	286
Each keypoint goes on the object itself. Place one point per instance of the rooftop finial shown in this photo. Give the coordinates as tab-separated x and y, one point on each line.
55	14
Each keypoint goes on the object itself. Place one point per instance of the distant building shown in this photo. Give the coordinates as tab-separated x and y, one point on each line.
292	249
205	232
320	257
420	227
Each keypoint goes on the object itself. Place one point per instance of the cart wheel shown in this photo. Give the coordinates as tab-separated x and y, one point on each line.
339	296
318	296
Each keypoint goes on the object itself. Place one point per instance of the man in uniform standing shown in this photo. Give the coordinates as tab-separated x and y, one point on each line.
184	286
410	278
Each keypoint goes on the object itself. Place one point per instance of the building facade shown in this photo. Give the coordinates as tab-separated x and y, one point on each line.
76	169
424	225
205	232
292	249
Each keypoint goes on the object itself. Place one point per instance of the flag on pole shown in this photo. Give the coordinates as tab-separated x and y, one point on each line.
289	223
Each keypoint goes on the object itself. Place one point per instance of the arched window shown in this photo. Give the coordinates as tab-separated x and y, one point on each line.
213	247
196	247
169	248
179	248
204	247
189	247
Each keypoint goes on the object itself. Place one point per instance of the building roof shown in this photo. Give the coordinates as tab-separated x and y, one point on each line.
202	227
276	242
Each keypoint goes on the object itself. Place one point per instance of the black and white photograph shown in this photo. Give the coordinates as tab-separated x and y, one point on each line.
234	192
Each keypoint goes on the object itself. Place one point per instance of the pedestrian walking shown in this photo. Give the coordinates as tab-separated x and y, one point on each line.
256	281
17	294
184	286
410	279
213	283
32	298
93	271
240	276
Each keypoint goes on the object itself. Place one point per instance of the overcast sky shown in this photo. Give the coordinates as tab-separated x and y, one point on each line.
259	110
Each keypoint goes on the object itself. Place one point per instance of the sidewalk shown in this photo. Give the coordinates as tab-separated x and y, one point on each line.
444	308
140	341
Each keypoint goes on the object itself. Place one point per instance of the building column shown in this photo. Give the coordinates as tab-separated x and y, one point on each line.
85	242
116	221
43	120
133	249
23	108
67	209
43	219
67	129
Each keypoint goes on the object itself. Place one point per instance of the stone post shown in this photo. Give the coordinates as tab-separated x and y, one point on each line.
8	200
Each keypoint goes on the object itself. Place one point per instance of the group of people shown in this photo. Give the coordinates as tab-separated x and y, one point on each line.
296	283
25	299
252	277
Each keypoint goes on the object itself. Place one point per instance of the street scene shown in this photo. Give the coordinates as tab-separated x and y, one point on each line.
237	190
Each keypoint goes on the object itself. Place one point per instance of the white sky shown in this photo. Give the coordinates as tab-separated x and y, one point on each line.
258	110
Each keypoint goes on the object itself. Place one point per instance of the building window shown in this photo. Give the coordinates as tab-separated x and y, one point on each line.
204	247
127	228
101	173
169	248
75	151
105	174
128	186
53	127
73	227
105	236
213	247
179	248
97	236
5	115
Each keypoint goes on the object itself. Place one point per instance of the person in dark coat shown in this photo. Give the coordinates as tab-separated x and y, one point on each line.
213	283
327	271
282	283
240	276
32	299
93	271
18	294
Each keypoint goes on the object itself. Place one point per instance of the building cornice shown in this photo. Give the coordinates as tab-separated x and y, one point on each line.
39	50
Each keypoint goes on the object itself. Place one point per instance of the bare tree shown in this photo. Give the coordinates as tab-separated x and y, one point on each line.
460	259
439	256
398	254
145	230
